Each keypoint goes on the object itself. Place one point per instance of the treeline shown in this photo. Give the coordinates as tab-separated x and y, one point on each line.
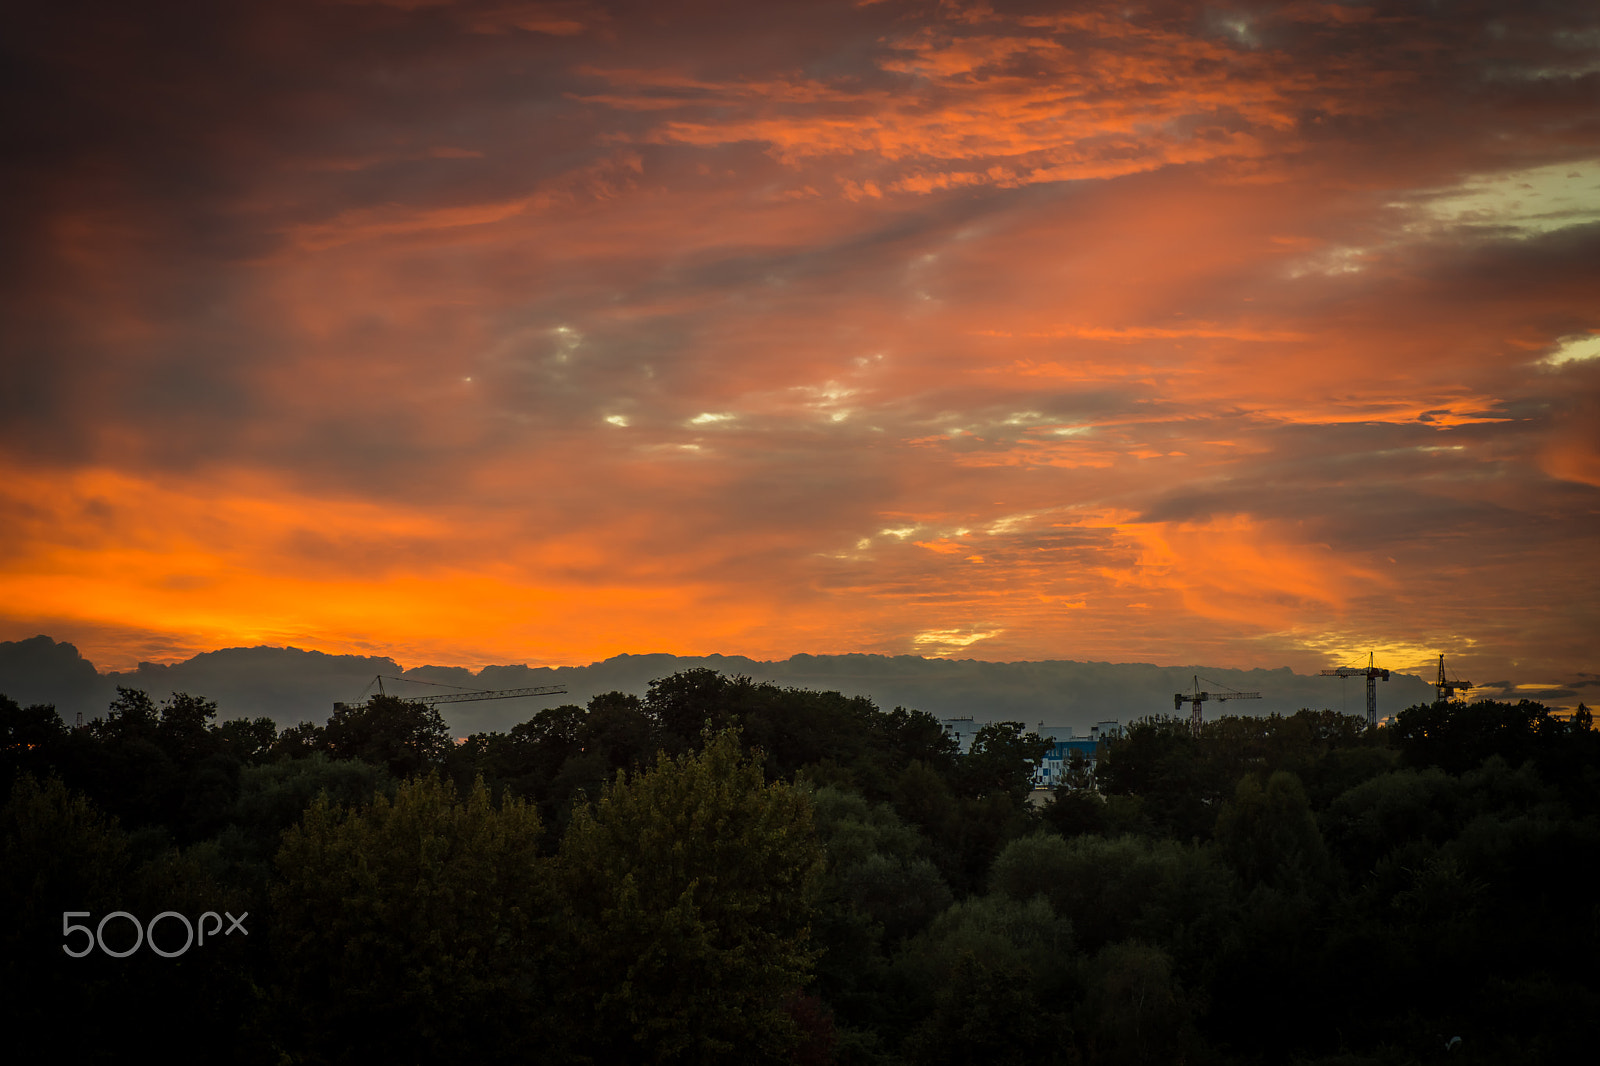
731	871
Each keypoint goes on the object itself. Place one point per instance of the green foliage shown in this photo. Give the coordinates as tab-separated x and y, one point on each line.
275	795
23	727
852	828
617	729
1003	759
526	760
1032	866
560	754
1135	1012
689	893
1269	971
1269	835
250	741
58	853
417	925
922	796
984	825
691	702
904	738
794	728
408	738
998	931
1342	769
209	997
131	716
898	895
968	813
989	1012
159	768
1458	737
877	869
1074	812
1158	891
27	735
1221	889
1182	780
878	889
1295	742
988	979
297	741
1380	814
1159	761
183	730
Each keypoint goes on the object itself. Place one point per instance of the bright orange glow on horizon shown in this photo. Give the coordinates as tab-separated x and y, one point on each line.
545	334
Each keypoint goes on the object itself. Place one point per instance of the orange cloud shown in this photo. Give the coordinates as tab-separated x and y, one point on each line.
1090	97
252	563
1573	451
1238	569
946	331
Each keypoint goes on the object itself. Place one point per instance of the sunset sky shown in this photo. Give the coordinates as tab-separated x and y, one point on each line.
504	332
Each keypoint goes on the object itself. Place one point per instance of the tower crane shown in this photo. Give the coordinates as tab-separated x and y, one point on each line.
1447	689
462	696
1372	674
1197	697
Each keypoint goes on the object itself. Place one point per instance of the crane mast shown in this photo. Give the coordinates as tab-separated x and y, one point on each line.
1372	674
1447	689
1197	697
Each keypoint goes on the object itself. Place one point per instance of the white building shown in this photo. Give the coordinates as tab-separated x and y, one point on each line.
1053	769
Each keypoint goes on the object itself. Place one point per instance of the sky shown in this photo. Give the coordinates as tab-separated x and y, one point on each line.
1255	335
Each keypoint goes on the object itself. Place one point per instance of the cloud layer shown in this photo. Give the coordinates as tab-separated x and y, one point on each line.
502	332
292	686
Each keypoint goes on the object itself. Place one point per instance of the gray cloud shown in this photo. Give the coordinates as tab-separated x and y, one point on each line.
290	685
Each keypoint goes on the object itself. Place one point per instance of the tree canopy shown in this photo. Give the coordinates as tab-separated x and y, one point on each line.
731	871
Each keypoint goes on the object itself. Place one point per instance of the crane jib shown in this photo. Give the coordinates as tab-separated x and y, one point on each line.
466	697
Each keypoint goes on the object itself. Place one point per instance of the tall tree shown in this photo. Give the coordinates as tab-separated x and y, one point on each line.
183	729
687	705
1269	835
1003	759
406	737
22	727
413	929
59	853
27	735
1158	760
689	891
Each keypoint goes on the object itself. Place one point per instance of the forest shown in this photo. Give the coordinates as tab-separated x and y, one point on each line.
727	871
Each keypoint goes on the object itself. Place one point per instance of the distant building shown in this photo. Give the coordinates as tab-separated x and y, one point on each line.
1064	741
963	730
1058	760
